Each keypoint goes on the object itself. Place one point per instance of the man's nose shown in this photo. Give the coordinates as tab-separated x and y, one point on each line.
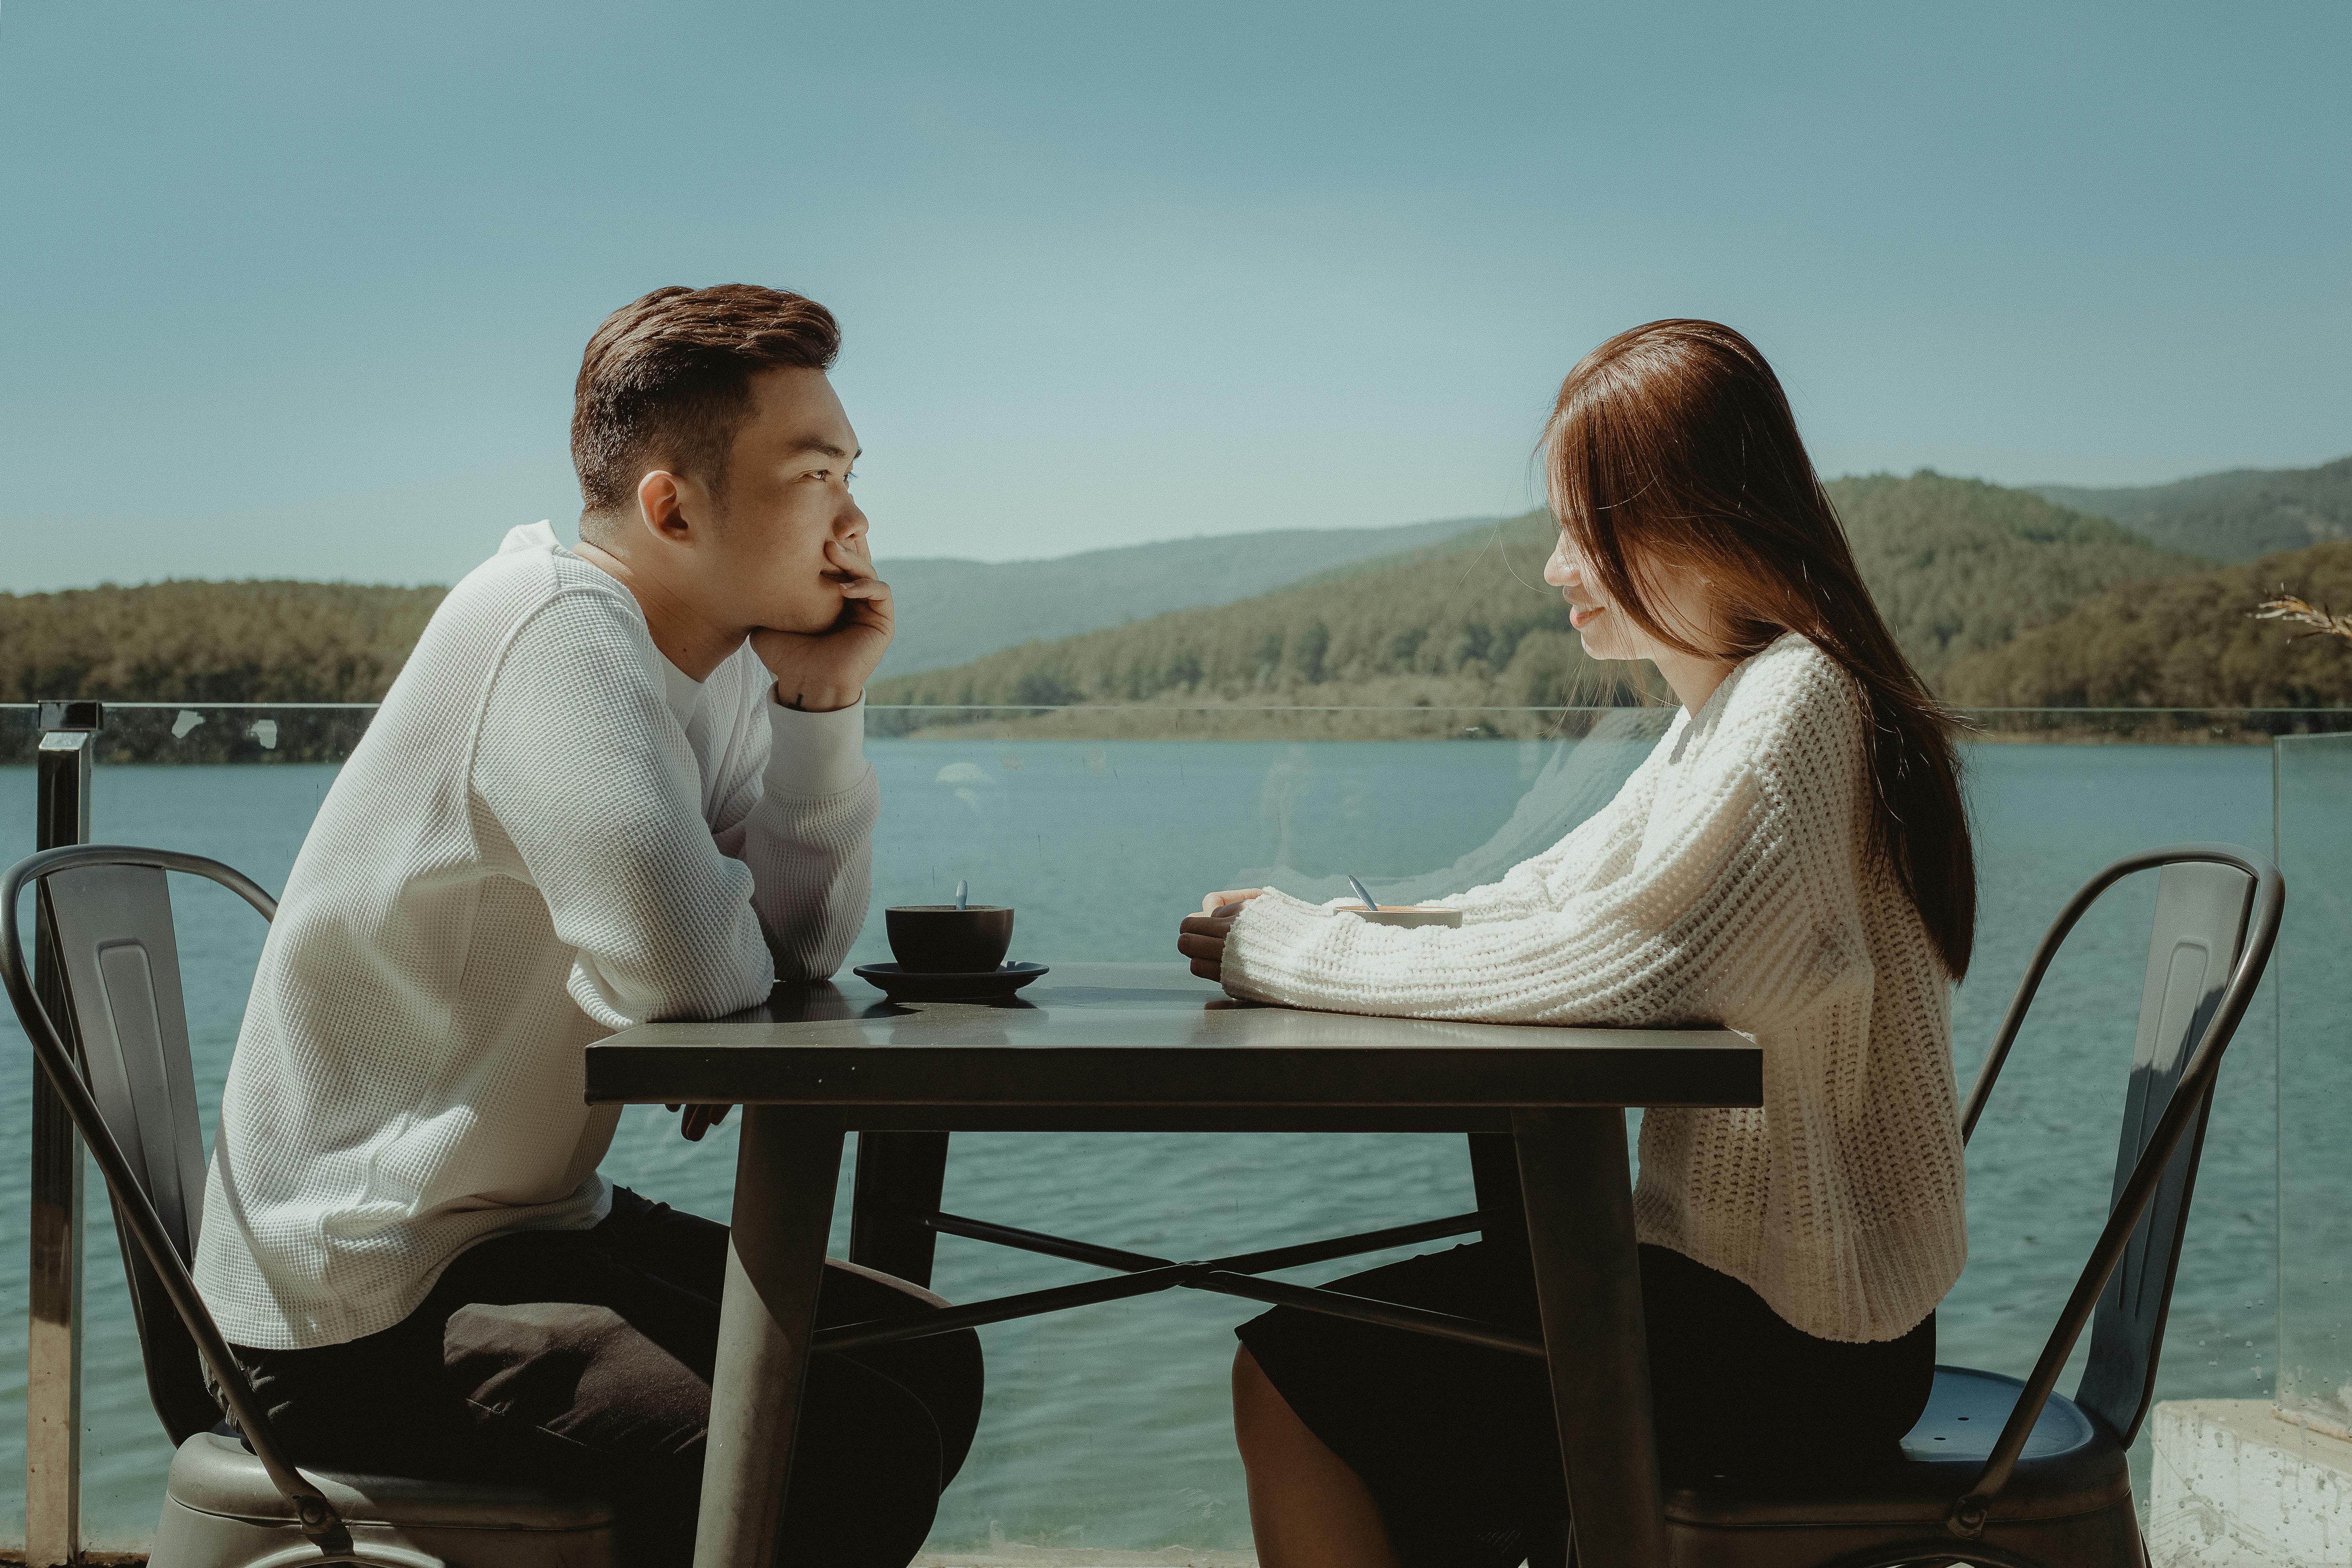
850	524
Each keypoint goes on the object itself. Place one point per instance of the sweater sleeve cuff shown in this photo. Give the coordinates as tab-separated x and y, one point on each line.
1265	942
813	754
1274	915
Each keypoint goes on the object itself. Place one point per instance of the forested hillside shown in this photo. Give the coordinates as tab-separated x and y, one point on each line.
951	610
210	642
2001	598
1959	566
2191	642
1445	626
2235	516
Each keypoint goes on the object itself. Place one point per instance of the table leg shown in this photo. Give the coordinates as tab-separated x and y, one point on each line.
1579	1201
786	1166
1495	1175
898	1174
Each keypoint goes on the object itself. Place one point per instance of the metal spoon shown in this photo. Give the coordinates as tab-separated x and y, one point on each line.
1364	893
963	891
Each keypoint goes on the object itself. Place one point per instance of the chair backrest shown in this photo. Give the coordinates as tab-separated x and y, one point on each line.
120	968
2201	910
121	963
2218	910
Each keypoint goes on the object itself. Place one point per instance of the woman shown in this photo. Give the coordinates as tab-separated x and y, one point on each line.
1793	861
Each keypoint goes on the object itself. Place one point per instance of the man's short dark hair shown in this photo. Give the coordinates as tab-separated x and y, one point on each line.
668	379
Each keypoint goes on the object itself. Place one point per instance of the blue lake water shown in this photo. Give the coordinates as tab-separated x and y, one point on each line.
1107	1427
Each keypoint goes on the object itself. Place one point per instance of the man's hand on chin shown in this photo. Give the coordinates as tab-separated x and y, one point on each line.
818	672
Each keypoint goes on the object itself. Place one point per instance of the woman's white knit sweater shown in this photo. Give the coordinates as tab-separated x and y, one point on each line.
1731	881
548	834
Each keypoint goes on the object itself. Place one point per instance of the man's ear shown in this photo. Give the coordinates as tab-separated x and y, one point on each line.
662	507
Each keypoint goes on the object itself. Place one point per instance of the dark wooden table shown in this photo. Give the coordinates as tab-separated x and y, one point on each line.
1148	1047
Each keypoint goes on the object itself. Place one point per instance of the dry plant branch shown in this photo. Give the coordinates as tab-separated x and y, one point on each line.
2287	607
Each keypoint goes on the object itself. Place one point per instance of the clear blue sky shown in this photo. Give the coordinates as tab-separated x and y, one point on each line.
299	290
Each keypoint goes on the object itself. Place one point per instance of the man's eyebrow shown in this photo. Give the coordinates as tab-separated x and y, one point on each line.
826	448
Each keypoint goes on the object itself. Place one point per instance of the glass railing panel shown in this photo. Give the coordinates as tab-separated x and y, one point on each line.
1066	803
2315	1106
239	783
19	732
1109	1428
1103	826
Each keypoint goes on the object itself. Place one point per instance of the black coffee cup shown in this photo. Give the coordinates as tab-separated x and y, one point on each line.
941	939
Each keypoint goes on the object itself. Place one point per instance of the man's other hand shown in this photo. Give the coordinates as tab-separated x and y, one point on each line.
700	1120
819	672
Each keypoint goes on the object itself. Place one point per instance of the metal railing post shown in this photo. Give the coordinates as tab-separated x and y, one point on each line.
53	1334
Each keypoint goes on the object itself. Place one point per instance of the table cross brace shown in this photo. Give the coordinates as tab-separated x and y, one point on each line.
1144	1274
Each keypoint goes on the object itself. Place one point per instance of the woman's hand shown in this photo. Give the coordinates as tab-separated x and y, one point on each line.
1202	937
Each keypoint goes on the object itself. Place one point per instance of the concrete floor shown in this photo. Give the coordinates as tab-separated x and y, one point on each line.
1013	1554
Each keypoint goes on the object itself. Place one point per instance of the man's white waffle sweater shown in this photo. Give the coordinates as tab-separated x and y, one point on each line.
1730	880
547	835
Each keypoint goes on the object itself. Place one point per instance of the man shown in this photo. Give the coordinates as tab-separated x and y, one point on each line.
611	784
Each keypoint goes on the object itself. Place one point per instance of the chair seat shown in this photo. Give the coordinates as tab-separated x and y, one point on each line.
217	1475
2071	1465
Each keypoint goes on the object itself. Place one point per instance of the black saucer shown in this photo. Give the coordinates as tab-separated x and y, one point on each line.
909	985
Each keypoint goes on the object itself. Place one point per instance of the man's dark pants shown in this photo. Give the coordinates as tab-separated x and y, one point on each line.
583	1358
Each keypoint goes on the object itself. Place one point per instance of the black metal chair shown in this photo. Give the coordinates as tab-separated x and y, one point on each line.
131	1091
2006	1474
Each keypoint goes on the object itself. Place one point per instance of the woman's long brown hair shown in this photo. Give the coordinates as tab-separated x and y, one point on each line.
1672	448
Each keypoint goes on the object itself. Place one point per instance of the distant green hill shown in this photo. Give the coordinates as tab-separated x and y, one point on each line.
2190	642
950	611
1461	618
339	642
1441	626
1960	566
2233	516
210	642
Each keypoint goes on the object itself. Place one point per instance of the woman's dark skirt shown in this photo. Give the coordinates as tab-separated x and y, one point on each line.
1459	1445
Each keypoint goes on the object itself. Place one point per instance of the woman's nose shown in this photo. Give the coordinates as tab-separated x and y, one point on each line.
1556	570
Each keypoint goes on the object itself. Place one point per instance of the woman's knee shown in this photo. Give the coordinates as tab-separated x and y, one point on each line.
1264	1422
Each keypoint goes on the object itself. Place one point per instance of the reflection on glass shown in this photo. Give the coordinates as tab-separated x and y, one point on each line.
2315	1114
1109	1428
206	733
1562	782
